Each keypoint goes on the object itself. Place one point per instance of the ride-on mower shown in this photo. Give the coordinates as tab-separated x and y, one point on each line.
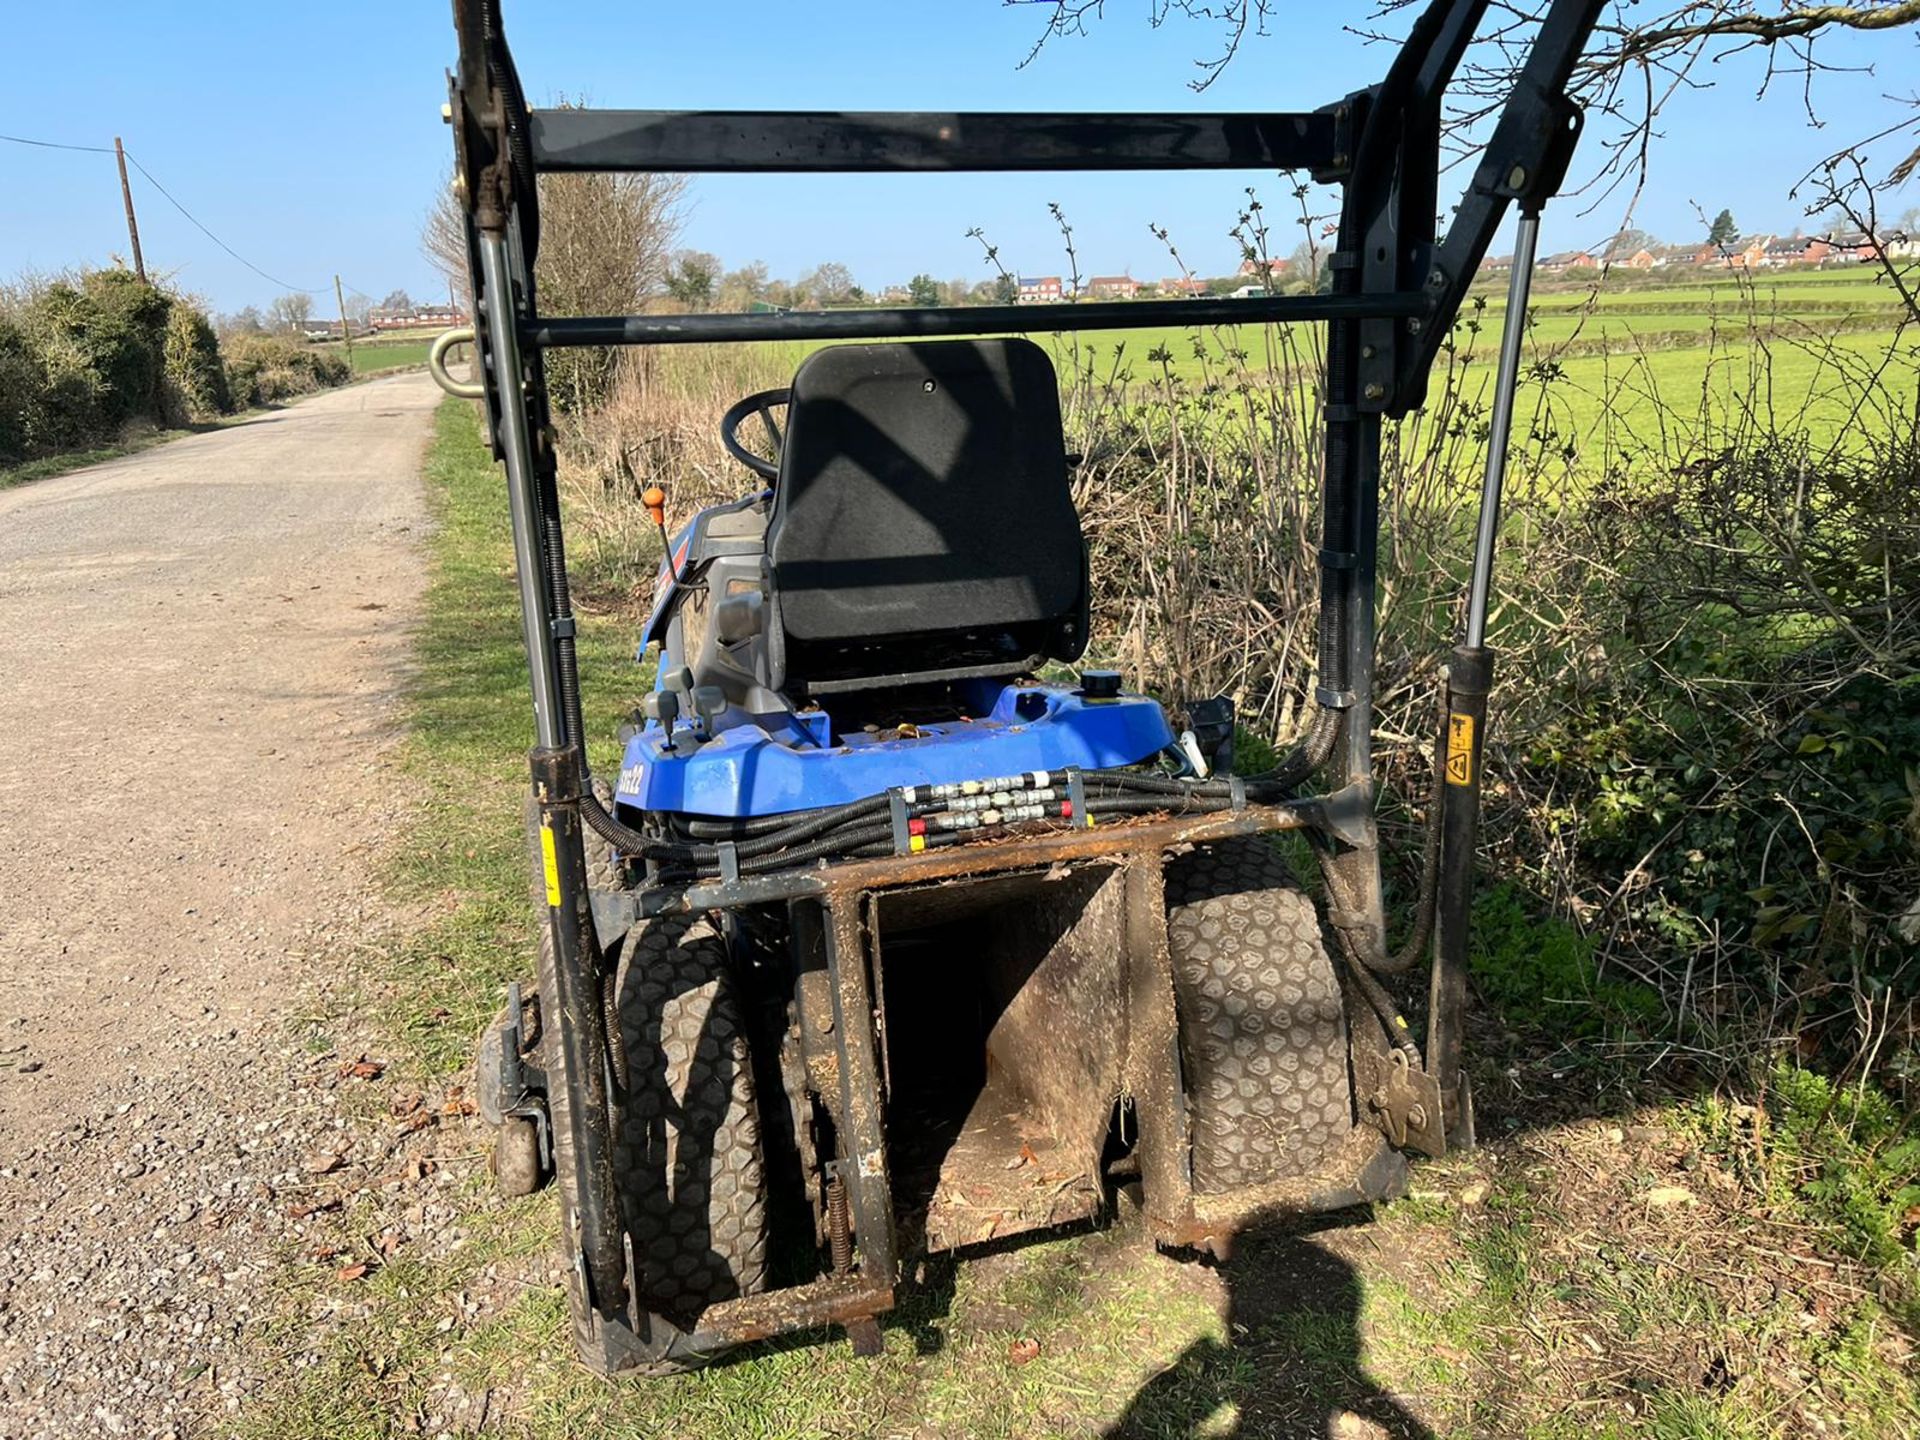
880	943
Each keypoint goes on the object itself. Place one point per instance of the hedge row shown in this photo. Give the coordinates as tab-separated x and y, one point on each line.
82	359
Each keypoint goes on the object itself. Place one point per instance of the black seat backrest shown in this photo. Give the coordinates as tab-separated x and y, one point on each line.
923	520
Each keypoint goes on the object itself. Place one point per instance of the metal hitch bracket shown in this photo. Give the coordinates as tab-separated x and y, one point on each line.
1402	1101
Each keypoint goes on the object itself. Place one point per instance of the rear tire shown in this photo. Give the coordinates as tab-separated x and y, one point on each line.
1263	1034
688	1158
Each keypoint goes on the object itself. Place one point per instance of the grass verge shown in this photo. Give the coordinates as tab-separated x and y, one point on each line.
47	467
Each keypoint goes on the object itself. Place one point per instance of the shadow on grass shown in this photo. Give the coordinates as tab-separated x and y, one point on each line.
1293	1364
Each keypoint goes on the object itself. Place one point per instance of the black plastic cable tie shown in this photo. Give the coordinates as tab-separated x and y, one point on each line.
1330	699
1336	414
1343	260
1237	792
1338	559
897	808
729	856
562	627
1077	797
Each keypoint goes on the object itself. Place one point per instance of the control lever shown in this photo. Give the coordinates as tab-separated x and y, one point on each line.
708	703
663	706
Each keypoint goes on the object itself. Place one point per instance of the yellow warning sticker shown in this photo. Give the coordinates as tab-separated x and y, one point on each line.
1459	749
551	864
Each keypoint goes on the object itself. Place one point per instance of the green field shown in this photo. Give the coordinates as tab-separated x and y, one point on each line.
371	355
1823	353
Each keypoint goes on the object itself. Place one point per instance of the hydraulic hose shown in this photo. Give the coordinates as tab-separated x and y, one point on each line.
769	842
739	830
1425	905
1378	1000
506	79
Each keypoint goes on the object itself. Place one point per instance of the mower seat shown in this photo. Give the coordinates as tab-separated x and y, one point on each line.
922	526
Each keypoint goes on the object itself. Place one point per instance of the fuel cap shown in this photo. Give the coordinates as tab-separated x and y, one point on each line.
1100	684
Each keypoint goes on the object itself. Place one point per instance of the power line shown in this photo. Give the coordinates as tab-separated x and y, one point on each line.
191	217
56	145
283	284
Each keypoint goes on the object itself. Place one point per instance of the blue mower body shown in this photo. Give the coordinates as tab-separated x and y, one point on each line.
748	765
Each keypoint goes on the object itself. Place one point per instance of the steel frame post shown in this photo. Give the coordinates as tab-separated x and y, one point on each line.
594	1229
594	1232
523	496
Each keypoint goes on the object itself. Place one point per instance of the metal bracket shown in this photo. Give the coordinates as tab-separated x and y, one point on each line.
1328	698
1346	814
1077	798
1402	1101
615	912
897	813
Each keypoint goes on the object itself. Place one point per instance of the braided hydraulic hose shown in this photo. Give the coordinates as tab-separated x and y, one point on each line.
1381	1003
773	842
1425	904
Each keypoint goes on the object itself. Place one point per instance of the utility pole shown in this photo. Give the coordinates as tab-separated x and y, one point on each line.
133	226
346	333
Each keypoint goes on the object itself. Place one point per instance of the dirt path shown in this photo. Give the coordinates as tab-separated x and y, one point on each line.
199	649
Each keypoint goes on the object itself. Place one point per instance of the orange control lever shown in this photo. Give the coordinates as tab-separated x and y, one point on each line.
655	499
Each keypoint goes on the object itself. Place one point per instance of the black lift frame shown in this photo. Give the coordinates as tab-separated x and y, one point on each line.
1397	286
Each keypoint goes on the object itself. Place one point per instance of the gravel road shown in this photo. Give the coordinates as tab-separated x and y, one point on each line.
200	650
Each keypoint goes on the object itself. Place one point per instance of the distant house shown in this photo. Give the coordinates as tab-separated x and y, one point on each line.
1625	252
415	317
1496	264
1274	268
1183	286
1567	260
1664	255
1113	287
1747	254
1039	290
1794	250
313	329
1856	248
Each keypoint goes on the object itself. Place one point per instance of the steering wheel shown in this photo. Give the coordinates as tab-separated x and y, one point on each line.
761	404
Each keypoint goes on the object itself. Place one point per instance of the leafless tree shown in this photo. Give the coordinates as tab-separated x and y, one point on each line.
1666	36
443	240
290	310
740	288
605	246
606	242
245	321
828	284
1641	56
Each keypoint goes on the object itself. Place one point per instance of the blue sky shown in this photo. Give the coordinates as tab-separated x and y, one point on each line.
308	136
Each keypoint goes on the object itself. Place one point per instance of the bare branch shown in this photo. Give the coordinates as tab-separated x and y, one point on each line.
1791	24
